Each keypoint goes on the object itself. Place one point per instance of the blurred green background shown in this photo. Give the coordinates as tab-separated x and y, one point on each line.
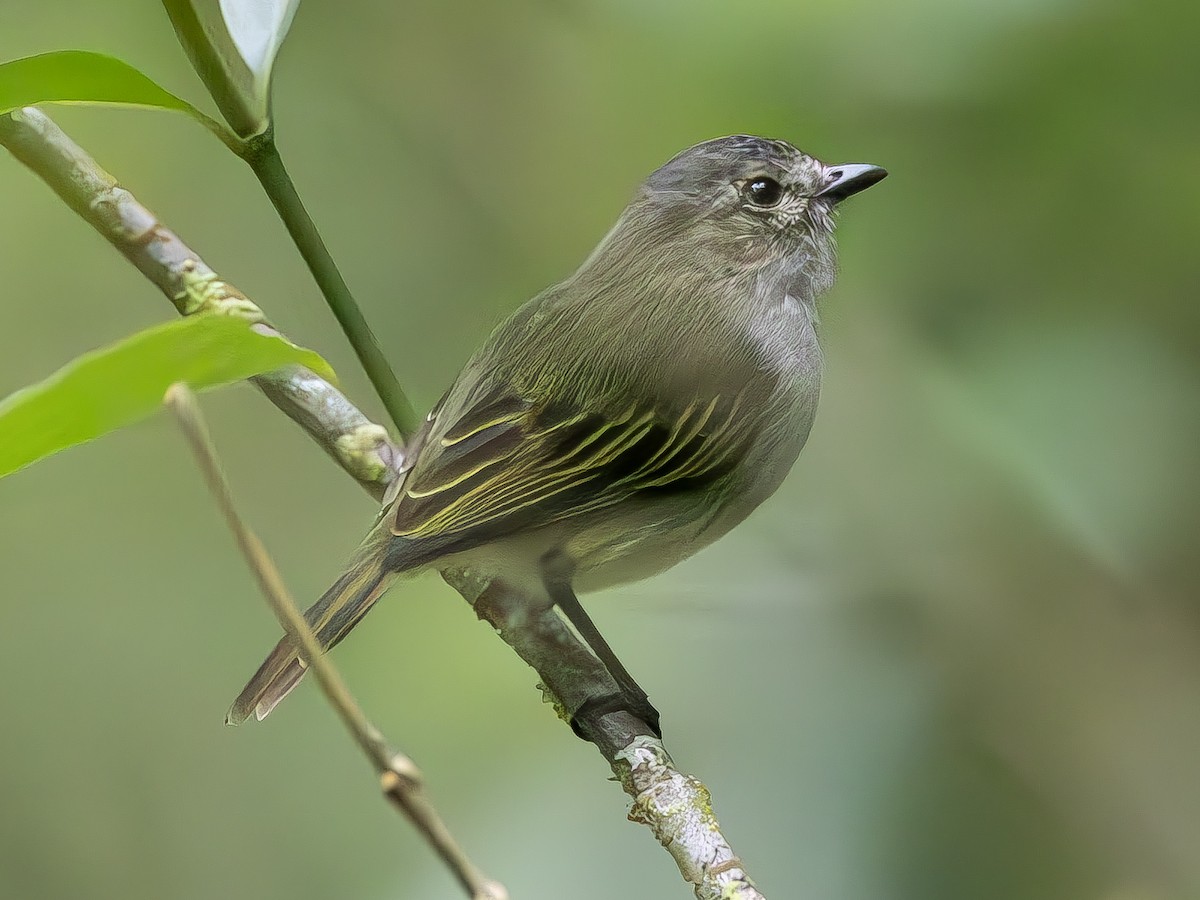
958	654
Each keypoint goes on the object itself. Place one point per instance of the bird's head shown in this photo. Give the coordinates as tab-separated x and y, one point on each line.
748	200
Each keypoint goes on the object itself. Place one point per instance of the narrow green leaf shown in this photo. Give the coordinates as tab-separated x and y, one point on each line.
105	389
80	76
232	45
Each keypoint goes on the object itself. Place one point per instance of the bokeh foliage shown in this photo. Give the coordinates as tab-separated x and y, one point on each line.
961	645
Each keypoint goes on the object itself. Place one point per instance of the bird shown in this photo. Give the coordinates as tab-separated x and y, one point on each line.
624	418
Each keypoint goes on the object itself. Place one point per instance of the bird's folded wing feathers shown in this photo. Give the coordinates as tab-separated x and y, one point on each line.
508	461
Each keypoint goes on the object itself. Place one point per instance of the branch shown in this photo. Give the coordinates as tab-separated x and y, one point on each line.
358	445
676	807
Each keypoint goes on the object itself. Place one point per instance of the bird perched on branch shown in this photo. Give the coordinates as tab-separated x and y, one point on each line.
626	417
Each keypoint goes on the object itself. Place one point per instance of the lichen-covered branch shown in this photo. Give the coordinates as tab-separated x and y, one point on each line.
676	807
361	447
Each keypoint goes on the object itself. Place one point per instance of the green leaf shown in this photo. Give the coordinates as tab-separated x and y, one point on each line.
232	45
79	76
108	388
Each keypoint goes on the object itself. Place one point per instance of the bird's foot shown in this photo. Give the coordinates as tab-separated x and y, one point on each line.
639	707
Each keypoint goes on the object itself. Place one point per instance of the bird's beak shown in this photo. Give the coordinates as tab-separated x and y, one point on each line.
844	181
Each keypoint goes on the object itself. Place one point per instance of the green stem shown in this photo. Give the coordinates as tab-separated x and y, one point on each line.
264	159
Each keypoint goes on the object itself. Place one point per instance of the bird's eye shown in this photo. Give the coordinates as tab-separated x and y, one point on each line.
763	192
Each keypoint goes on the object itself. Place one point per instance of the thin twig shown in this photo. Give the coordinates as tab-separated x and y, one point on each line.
399	778
673	805
265	161
255	143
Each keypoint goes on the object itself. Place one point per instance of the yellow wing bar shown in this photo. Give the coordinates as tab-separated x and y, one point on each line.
506	457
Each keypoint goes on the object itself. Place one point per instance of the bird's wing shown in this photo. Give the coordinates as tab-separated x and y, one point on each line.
506	463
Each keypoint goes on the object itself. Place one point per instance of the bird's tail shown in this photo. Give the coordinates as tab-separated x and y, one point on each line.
331	618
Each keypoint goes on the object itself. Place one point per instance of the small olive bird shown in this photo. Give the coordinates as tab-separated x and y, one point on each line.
626	417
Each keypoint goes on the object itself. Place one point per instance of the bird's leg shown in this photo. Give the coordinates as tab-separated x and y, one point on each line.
631	697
